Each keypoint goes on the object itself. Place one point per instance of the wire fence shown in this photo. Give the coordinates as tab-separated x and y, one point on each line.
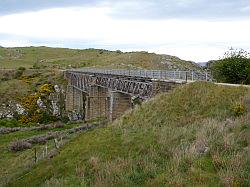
52	140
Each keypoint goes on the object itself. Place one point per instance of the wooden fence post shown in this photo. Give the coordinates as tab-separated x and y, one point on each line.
56	143
46	150
35	155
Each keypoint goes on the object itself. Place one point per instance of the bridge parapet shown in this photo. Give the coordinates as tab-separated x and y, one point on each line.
151	74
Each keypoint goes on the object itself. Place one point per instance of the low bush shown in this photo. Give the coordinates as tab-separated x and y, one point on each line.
65	119
19	72
59	124
6	130
20	145
239	109
46	117
39	139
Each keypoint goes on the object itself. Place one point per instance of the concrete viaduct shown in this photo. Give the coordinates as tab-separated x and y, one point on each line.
94	93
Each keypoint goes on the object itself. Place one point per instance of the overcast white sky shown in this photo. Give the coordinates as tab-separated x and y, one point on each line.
197	30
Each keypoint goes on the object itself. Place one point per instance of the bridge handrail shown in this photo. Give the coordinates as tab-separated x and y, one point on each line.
153	74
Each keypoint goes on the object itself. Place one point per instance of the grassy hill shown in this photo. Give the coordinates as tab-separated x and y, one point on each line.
42	57
44	64
196	135
28	83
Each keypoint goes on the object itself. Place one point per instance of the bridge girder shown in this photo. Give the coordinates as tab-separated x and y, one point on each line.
134	87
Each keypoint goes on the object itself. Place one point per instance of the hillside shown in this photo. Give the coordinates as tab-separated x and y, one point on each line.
44	65
196	135
61	58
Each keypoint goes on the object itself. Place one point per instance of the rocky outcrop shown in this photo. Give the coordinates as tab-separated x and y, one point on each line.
49	99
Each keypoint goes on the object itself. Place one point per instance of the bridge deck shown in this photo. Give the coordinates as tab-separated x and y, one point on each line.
151	74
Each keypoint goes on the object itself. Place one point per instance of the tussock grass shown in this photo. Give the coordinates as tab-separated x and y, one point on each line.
188	137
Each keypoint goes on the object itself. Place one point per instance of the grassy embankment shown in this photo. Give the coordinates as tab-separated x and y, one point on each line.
12	164
192	136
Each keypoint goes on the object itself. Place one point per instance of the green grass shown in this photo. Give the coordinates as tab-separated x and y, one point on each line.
188	137
12	89
12	123
13	164
61	58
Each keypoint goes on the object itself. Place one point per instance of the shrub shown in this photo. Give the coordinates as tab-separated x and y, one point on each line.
47	88
44	127
46	117
7	130
36	113
65	119
23	119
20	145
30	103
38	139
118	51
238	109
59	124
21	69
234	67
19	72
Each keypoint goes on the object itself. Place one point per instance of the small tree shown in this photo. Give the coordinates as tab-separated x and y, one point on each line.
234	67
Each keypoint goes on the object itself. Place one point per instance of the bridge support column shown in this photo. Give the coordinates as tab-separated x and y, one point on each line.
119	103
79	103
97	103
75	103
69	103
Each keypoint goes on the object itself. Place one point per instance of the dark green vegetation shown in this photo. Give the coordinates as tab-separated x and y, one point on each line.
192	136
233	68
11	123
60	58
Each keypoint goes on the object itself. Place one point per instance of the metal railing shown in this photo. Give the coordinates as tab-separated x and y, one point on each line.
152	74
